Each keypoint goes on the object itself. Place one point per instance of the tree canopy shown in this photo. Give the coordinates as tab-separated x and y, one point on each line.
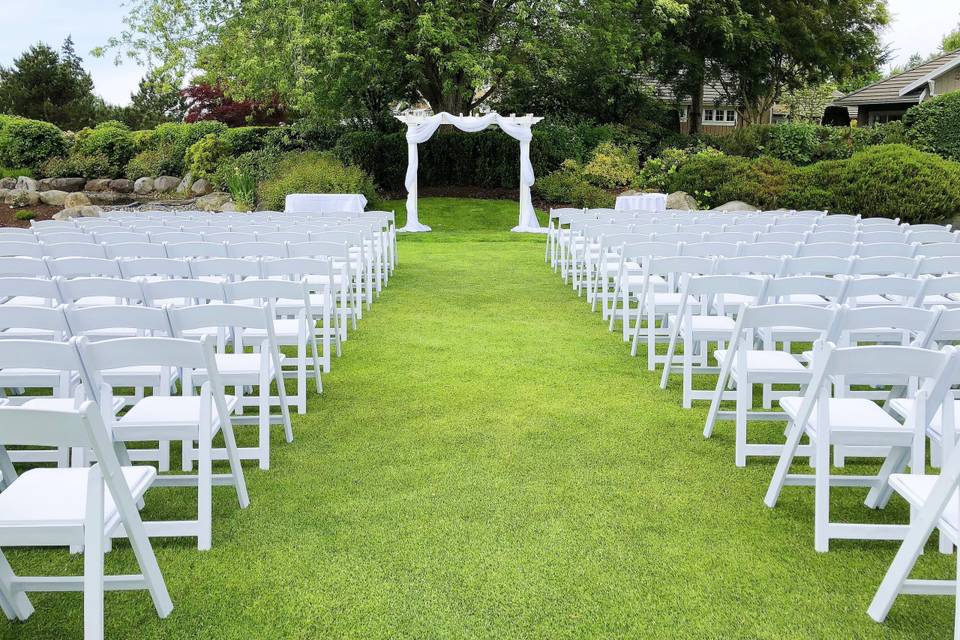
45	84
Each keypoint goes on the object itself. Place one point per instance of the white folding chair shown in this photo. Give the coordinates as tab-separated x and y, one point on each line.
829	421
75	507
161	418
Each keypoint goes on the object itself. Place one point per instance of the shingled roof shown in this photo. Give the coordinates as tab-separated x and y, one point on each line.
889	90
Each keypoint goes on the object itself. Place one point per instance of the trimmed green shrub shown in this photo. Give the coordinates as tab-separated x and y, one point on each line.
163	160
25	214
884	181
176	138
795	142
934	125
656	171
567	186
78	166
111	140
243	139
612	167
204	156
259	164
29	143
313	172
6	172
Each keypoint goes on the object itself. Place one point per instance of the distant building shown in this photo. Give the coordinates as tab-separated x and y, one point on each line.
889	99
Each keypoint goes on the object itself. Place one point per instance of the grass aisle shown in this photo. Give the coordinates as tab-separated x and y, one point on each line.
488	461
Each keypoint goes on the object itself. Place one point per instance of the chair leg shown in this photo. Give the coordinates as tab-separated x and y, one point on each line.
93	550
688	371
744	404
236	470
821	517
205	490
794	435
14	598
668	364
263	422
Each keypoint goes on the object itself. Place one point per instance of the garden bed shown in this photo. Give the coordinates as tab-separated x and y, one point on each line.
8	214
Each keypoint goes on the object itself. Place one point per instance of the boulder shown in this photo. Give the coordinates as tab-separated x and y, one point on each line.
166	184
201	187
107	197
53	197
229	207
27	184
85	211
100	184
22	198
8	183
736	205
143	186
76	200
682	201
121	185
213	202
3	194
184	187
70	185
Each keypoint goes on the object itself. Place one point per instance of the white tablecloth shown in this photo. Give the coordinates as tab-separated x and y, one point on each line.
325	202
642	202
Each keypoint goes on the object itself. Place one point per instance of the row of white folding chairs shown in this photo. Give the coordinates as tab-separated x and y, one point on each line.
159	280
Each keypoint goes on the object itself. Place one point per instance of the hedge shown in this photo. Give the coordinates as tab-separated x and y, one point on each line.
111	140
28	143
934	125
313	172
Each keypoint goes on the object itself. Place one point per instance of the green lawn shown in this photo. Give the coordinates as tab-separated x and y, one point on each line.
487	461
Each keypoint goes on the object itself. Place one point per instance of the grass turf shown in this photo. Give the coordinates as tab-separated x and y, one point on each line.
488	461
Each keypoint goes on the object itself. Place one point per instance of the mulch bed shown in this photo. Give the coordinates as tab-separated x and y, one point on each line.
8	214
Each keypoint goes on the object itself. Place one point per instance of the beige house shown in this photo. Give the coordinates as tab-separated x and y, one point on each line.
718	117
889	99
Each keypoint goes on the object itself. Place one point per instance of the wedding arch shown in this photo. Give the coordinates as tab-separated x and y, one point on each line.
421	128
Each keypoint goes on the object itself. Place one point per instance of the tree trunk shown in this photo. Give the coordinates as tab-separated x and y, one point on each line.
696	107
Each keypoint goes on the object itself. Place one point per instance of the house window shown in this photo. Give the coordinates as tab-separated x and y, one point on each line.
708	115
683	114
883	117
720	117
731	116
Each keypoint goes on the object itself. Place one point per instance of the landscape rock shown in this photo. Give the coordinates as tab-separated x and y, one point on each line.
736	205
213	202
108	197
143	186
25	183
3	194
86	211
184	187
201	187
21	198
53	197
76	200
166	184
70	185
121	185
8	183
682	201
100	184
229	207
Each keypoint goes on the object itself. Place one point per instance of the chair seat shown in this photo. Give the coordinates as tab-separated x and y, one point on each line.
712	325
30	377
237	365
760	363
284	329
64	404
805	298
916	489
57	497
28	301
166	415
904	407
671	300
853	416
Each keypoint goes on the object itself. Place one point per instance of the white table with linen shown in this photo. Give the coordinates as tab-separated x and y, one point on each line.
642	202
325	203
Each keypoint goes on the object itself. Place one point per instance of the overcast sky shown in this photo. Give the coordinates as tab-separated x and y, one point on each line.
917	27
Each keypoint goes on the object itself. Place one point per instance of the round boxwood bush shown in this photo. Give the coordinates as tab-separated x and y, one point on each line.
29	143
204	156
934	125
313	172
112	140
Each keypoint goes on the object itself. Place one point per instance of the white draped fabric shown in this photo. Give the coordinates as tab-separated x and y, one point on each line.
420	130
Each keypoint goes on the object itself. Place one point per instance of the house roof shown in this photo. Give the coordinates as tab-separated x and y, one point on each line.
713	94
903	88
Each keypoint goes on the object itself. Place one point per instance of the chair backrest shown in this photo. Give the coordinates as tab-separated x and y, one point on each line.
791	238
866	250
112	236
68	237
845	237
817	266
43	288
319	249
73	249
181	292
786	315
938	249
906	288
869	236
23	267
827	249
932	236
135	250
284	236
257	250
33	318
885	265
48	355
710	249
173	237
711	287
20	248
939	265
83	267
223	317
230	236
198	249
227	269
832	289
916	324
166	268
148	320
74	290
760	265
639	251
937	287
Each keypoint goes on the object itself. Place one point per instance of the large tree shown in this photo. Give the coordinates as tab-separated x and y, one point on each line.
156	100
346	57
783	45
44	84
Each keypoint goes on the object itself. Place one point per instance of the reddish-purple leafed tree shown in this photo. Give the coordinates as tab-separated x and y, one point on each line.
210	102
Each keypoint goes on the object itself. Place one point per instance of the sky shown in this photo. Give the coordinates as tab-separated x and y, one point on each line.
917	27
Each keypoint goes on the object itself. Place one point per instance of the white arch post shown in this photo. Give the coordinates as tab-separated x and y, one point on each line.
421	128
